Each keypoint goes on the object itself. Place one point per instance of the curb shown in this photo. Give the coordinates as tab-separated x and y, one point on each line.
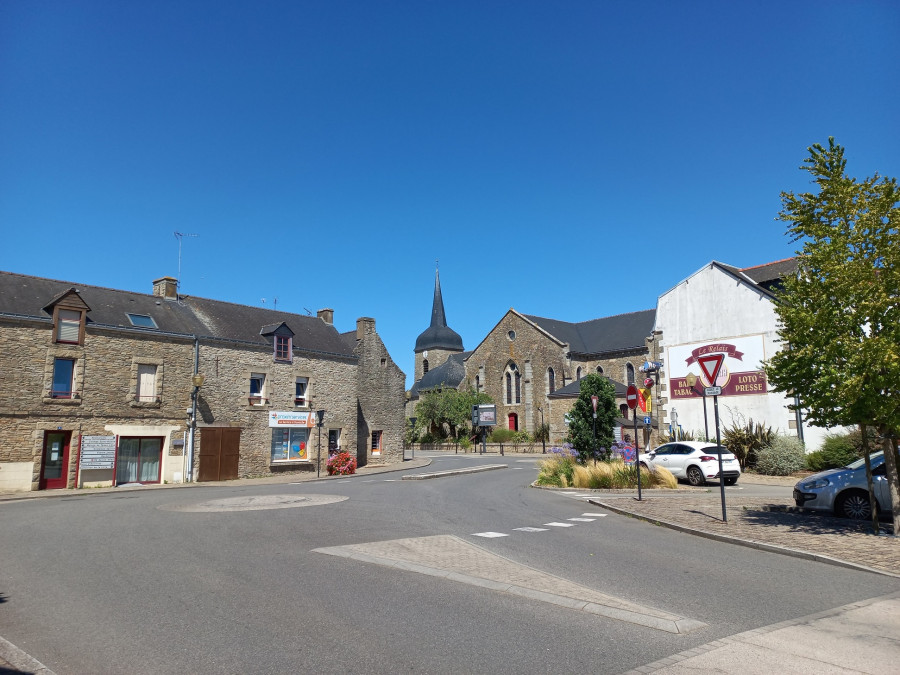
20	660
749	543
453	472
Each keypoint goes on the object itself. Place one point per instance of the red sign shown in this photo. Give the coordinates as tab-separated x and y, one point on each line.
631	396
710	364
594	401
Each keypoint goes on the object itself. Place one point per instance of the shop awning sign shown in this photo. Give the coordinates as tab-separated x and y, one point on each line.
291	418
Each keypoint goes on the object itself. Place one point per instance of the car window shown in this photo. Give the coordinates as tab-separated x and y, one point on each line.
879	470
862	462
715	449
684	450
664	450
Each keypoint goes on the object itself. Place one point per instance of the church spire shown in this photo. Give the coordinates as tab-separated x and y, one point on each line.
438	335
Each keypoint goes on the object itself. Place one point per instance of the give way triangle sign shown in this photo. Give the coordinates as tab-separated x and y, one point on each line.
710	365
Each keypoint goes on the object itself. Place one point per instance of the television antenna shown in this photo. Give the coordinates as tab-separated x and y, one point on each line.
179	236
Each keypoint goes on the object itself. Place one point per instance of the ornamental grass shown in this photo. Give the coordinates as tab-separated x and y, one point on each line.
563	471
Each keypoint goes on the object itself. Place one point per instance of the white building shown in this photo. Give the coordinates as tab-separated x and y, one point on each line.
721	309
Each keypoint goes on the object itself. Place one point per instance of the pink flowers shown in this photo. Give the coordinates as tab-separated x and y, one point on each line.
341	464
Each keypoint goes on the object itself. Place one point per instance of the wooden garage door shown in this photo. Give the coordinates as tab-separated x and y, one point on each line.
220	450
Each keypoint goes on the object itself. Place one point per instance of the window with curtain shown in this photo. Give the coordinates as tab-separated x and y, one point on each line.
68	326
138	460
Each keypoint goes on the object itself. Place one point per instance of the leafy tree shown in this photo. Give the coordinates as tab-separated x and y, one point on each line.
452	408
581	417
840	315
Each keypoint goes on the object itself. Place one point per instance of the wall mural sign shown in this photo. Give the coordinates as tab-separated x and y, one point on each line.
741	373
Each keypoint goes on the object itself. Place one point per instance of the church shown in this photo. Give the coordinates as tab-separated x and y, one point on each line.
530	366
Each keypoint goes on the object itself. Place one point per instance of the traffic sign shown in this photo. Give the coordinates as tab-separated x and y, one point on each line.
710	365
631	396
713	391
647	420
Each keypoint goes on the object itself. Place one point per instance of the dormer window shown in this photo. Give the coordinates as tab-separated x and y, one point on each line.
142	321
68	326
282	348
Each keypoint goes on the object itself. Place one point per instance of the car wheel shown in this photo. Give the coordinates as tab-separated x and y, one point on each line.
854	505
695	476
730	481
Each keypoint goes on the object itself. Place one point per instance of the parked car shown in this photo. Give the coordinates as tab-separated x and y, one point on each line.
844	491
694	461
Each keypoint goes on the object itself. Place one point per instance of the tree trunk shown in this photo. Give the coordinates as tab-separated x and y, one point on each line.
870	484
890	463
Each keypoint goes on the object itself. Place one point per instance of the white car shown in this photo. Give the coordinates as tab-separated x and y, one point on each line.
694	461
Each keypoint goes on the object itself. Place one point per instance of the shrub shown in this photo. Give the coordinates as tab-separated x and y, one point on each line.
745	440
783	457
557	471
342	464
563	470
501	435
837	450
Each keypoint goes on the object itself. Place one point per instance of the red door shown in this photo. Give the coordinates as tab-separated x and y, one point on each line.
513	422
55	460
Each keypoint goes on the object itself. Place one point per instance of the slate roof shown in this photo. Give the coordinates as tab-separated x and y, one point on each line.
573	389
449	374
768	277
26	296
609	334
438	335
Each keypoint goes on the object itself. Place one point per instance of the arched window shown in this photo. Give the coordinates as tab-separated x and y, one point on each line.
477	383
551	379
424	366
578	373
629	374
518	387
508	387
513	384
623	409
600	369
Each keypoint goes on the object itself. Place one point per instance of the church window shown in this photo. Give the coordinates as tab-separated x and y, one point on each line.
518	387
600	370
551	380
424	366
508	388
578	373
629	374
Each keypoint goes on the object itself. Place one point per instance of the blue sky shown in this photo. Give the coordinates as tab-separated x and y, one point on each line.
569	159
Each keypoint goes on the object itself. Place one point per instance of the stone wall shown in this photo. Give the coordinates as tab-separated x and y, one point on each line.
380	383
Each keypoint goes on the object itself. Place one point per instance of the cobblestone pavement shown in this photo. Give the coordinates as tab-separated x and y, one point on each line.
767	523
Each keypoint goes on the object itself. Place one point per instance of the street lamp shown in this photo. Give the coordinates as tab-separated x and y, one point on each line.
197	381
543	435
412	421
320	422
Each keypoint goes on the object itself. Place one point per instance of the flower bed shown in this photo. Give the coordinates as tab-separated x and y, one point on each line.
341	464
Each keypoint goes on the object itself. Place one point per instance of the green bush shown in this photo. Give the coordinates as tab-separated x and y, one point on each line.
837	450
783	457
501	435
745	440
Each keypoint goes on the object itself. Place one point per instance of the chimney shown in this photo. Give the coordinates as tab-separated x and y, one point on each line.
327	315
364	325
166	287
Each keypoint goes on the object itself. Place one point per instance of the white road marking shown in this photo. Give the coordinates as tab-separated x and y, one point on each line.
531	529
582	520
598	515
559	524
490	535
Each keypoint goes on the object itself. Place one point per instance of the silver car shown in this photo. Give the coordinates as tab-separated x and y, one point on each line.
844	491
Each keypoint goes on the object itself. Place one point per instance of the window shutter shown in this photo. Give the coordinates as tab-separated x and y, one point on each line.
146	382
69	326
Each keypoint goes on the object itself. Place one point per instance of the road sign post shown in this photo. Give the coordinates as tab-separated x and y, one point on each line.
631	398
710	364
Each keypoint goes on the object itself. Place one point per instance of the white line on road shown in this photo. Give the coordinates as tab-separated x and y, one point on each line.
582	520
531	529
490	535
598	515
559	524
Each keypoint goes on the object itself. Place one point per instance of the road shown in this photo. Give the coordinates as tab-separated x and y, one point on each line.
163	581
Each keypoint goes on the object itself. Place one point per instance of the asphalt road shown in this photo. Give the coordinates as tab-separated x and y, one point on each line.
138	583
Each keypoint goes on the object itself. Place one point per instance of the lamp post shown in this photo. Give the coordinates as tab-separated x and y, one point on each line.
197	382
412	421
320	422
543	436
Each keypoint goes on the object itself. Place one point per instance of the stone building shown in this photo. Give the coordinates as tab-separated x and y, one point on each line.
524	360
99	386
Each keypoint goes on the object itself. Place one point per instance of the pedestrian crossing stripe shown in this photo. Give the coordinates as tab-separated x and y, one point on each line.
582	520
531	529
490	535
597	515
559	524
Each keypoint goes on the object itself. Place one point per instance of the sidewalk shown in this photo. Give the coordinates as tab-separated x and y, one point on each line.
370	469
765	523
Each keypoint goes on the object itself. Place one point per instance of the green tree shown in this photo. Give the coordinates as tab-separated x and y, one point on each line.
450	408
840	315
581	418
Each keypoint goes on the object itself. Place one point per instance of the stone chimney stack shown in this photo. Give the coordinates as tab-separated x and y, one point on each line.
327	315
166	287
364	325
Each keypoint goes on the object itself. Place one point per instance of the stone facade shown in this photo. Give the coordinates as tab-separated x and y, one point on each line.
135	383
